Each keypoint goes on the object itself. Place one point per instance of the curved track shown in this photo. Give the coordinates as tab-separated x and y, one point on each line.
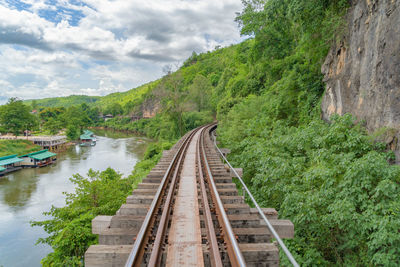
190	214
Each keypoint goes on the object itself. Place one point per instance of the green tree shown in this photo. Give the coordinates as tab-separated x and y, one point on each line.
93	114
69	227
53	125
51	112
191	60
330	180
199	92
84	107
76	117
34	105
15	117
114	109
132	106
73	132
173	98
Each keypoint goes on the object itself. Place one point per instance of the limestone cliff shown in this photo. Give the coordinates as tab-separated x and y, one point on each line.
362	72
150	107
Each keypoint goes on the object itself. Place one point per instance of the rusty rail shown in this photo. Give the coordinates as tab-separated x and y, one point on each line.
155	253
269	225
215	257
137	252
170	178
235	255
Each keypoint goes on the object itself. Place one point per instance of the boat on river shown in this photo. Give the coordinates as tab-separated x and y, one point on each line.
39	159
36	159
9	164
88	138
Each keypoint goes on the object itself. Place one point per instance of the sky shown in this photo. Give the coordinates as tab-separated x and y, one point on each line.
52	48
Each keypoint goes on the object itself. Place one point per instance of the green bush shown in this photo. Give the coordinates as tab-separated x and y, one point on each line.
331	181
100	193
69	228
72	133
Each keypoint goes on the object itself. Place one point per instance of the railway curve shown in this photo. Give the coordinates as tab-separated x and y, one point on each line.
188	212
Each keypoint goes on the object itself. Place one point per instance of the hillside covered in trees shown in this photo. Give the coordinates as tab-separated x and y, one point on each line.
334	181
66	102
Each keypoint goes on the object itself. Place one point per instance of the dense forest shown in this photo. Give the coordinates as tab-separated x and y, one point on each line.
333	180
127	100
66	102
18	118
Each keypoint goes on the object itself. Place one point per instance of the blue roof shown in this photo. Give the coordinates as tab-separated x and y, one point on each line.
40	155
7	160
87	132
9	157
86	137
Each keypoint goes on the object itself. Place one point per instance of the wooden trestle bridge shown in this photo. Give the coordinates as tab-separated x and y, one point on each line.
187	212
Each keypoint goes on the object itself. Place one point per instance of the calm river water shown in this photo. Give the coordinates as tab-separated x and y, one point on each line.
25	194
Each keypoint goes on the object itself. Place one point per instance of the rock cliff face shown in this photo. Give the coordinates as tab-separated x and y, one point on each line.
362	72
149	108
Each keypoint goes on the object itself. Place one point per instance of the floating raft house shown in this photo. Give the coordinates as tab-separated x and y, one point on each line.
9	164
39	158
88	135
87	132
88	138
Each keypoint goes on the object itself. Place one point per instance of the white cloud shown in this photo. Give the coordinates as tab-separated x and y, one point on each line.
121	43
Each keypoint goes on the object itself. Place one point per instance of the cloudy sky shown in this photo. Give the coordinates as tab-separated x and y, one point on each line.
96	47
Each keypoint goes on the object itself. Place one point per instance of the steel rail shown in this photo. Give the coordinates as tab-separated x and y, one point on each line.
269	225
235	255
137	251
162	227
215	256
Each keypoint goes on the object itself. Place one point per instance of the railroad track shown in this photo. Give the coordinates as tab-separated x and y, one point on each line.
187	212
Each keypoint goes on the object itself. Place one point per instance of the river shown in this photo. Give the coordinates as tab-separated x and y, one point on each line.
25	194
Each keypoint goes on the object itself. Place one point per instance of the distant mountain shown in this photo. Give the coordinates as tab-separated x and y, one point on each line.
66	101
134	95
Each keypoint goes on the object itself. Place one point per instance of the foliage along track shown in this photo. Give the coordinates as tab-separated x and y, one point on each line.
145	228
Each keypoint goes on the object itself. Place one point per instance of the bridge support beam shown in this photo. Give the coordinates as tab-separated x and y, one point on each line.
99	223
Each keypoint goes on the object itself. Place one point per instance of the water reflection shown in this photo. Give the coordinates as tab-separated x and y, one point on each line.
25	194
19	190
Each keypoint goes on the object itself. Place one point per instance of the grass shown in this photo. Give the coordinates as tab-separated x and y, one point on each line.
19	147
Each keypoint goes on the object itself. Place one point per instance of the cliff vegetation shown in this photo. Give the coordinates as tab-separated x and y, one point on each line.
334	181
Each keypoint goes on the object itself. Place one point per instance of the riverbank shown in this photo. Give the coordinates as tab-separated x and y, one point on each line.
106	128
25	194
17	147
52	143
